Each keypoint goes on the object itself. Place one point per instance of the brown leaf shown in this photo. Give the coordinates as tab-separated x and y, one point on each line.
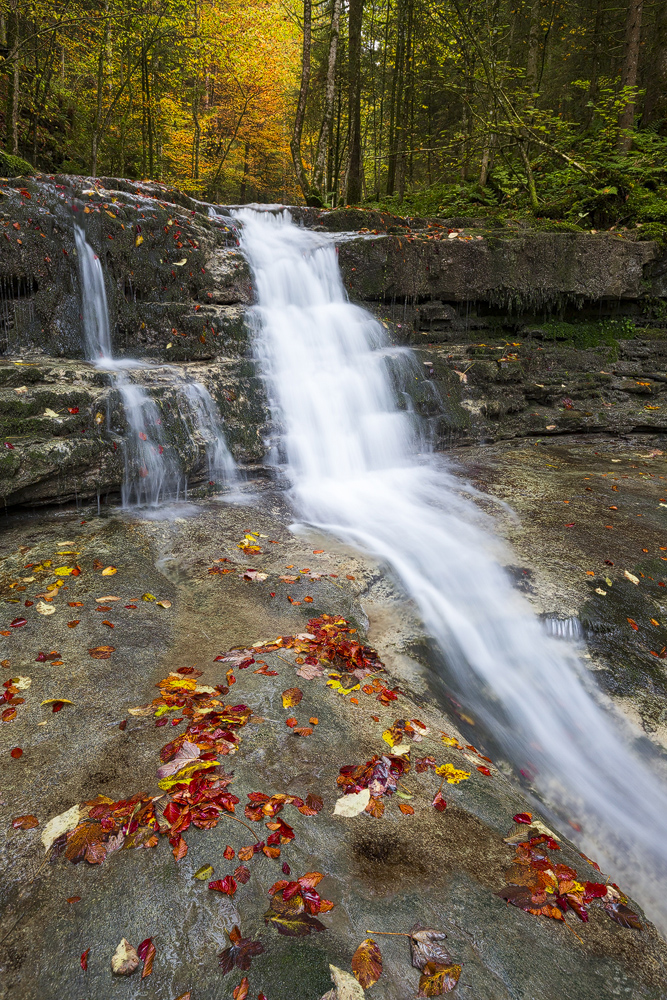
125	959
438	979
240	953
245	853
146	952
367	963
101	652
375	807
425	946
406	809
180	850
292	697
25	822
623	915
241	991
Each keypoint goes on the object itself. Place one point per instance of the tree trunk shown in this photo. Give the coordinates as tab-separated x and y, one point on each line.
246	168
633	26
655	102
295	144
533	54
487	161
354	190
319	174
532	190
97	125
13	82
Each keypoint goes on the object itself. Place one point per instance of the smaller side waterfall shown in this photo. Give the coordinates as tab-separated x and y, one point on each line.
153	468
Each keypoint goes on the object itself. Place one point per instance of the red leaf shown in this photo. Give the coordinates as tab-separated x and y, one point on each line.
286	868
25	822
484	770
523	818
439	803
16	753
74	899
146	952
226	885
84	959
242	874
228	853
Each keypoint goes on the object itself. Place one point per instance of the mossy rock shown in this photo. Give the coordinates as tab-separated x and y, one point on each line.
14	166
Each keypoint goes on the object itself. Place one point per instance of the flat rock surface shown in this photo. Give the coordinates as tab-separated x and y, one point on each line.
385	874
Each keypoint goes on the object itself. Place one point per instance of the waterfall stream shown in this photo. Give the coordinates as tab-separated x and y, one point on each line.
359	469
152	467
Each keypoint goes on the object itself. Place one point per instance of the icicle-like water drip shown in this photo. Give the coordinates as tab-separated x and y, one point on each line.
152	468
352	457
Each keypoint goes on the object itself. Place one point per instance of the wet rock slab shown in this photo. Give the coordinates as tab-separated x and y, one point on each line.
385	874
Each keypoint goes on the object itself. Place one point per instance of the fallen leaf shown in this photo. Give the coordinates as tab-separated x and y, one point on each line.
60	824
347	987
16	753
242	874
426	947
438	979
226	885
352	804
623	915
74	899
439	803
84	959
124	960
406	809
56	701
240	952
74	623
452	775
367	963
292	697
241	991
101	652
204	872
109	571
44	609
146	952
25	822
631	577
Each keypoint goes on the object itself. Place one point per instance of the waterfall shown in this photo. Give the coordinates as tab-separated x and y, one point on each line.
152	466
356	470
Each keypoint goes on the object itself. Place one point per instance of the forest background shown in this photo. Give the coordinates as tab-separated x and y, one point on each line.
551	109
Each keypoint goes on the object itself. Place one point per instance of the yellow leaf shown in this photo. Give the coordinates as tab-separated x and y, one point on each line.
451	742
148	597
451	774
53	701
99	417
109	571
62	571
139	240
166	783
180	263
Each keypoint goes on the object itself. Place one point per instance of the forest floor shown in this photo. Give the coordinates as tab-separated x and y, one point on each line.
152	598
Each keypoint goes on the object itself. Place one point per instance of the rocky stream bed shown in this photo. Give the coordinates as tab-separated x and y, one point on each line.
544	376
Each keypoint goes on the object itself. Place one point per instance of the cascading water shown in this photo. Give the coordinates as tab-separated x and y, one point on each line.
352	456
152	468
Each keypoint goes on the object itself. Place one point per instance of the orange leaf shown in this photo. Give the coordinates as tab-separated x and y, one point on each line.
367	963
241	991
292	697
180	850
25	822
406	809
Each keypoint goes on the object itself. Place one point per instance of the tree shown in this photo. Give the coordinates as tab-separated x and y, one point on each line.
629	71
354	192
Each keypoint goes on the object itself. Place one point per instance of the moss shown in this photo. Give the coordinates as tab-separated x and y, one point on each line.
587	335
14	166
654	231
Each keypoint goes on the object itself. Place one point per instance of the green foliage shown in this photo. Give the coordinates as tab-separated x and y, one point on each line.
14	166
589	334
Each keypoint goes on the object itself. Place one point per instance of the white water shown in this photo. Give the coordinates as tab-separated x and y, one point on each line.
152	466
353	460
